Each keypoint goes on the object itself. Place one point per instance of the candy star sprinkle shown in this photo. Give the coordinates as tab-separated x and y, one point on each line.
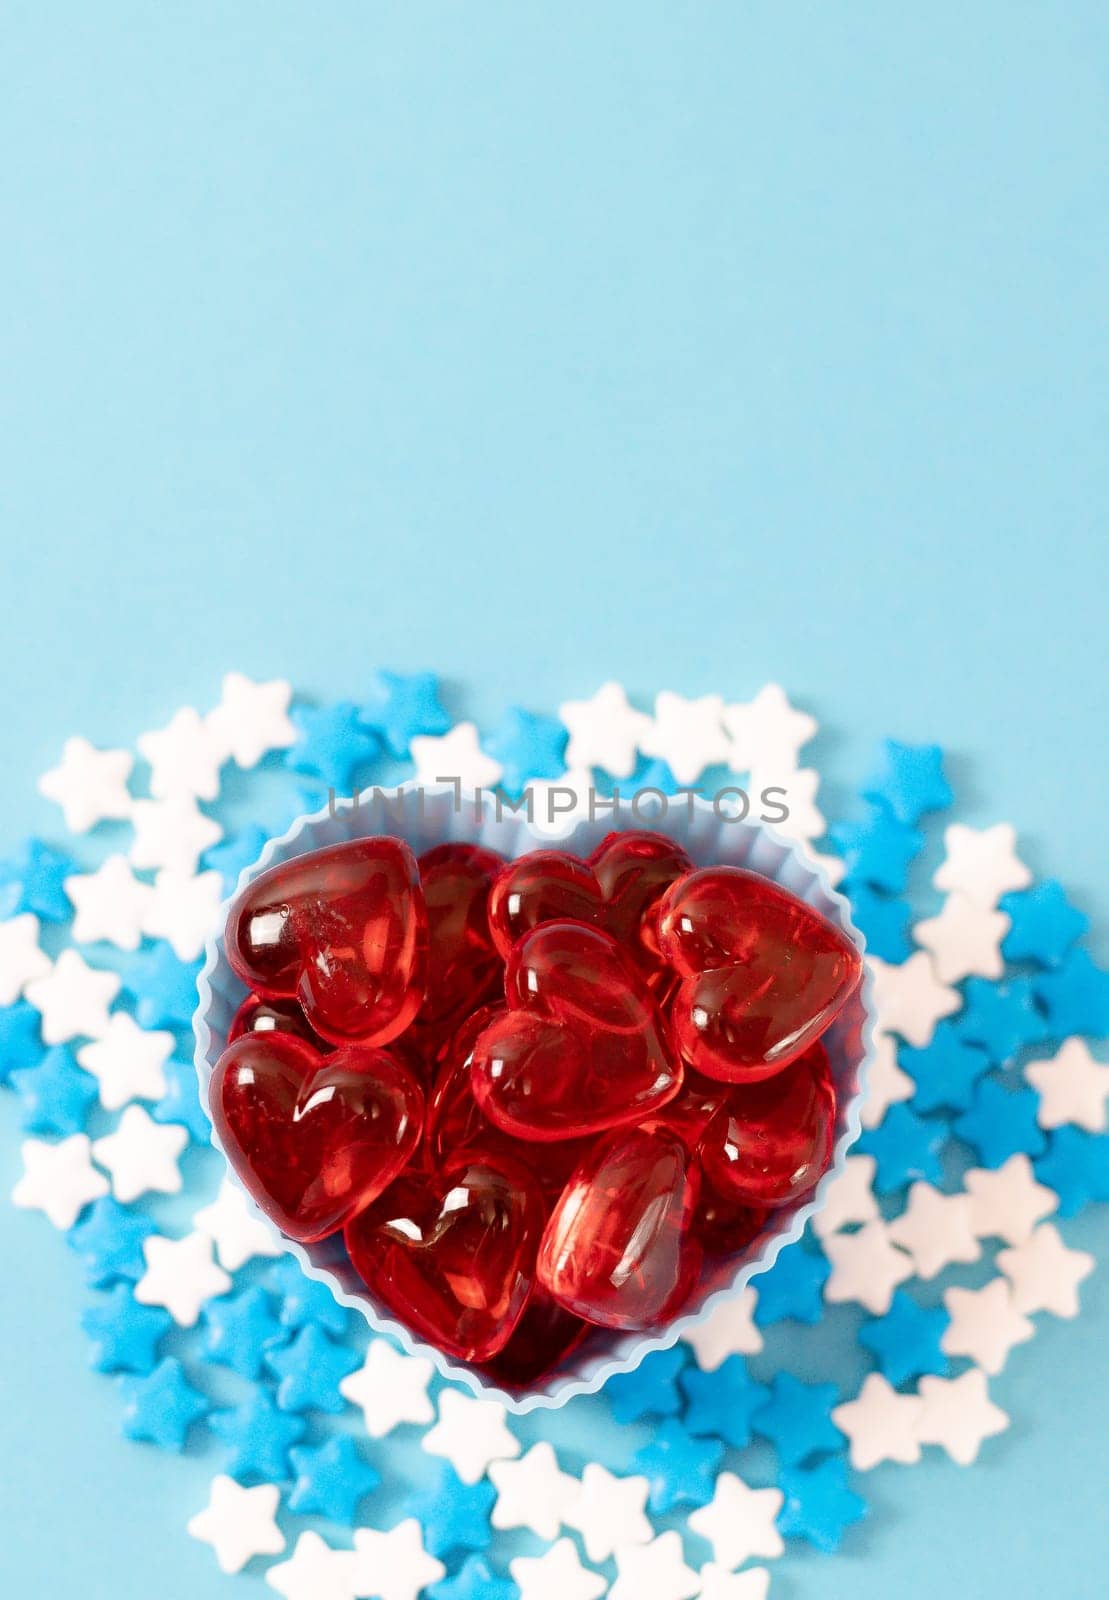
886	1084
964	940
456	755
728	1330
739	1522
471	1434
767	732
849	1197
936	1229
881	1424
866	1267
1006	1203
805	820
609	1512
393	1565
1044	1273
532	1492
314	1572
127	1061
557	1574
958	1415
251	719
391	1388
655	1571
111	904
22	960
981	863
180	1275
183	910
239	1523
90	785
171	833
73	999
605	731
58	1179
753	1583
687	734
910	998
184	758
237	1228
558	803
1073	1088
985	1325
142	1155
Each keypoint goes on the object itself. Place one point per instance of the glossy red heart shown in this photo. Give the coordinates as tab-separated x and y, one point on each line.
725	1227
454	1257
543	1337
581	1046
464	969
259	1015
773	1140
343	931
763	974
313	1138
619	1249
615	888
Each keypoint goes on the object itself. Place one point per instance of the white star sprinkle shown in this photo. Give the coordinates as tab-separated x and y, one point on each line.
251	719
558	803
58	1179
142	1155
881	1424
557	1574
184	910
90	785
655	1571
393	1565
127	1061
314	1572
849	1198
391	1388
609	1512
454	755
184	757
964	940
981	863
22	959
767	732
532	1492
728	1330
471	1434
1073	1088
958	1415
805	820
936	1229
866	1267
237	1228
180	1276
910	999
171	833
687	734
739	1522
111	904
73	999
1008	1203
887	1084
753	1583
239	1523
604	731
984	1325
1044	1273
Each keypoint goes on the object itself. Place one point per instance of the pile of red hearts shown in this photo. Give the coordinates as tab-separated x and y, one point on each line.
532	1094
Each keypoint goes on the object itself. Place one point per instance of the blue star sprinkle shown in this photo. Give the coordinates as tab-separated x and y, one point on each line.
310	1370
20	1044
124	1335
723	1402
883	923
239	1329
259	1437
34	881
181	1101
237	851
793	1289
56	1094
474	1580
1002	1122
878	851
819	1505
110	1238
305	1300
331	1480
333	746
649	1390
909	780
454	1515
1044	924
529	748
795	1418
680	1469
400	709
1076	1166
906	1148
1075	996
1002	1017
160	1407
946	1071
164	988
906	1341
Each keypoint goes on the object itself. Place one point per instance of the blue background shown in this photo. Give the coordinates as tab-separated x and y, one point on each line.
695	345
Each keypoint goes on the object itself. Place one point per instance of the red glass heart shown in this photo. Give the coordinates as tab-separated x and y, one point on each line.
464	966
763	974
725	1227
259	1015
581	1046
344	931
454	1258
619	1249
773	1140
543	1337
313	1138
